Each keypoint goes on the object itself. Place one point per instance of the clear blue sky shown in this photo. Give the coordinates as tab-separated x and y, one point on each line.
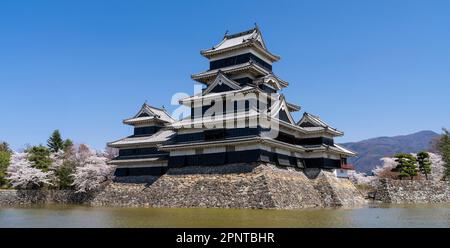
370	68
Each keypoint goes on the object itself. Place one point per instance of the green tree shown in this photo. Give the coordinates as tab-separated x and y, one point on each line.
64	176
55	142
443	147
5	158
4	147
423	159
39	156
406	165
67	144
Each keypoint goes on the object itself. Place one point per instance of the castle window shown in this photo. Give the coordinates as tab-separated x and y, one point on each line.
216	134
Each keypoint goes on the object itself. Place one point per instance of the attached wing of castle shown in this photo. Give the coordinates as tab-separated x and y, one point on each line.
240	117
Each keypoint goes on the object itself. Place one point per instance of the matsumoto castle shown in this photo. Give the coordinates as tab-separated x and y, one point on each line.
240	117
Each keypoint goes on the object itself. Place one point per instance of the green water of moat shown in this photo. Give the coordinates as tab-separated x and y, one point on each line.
375	215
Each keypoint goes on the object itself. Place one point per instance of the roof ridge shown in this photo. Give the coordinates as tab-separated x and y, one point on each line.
146	104
235	35
307	113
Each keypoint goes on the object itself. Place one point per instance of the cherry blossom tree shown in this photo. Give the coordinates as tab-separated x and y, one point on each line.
57	159
92	170
385	169
110	152
63	168
361	178
22	175
388	164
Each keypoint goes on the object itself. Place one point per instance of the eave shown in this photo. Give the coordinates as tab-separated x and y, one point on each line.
333	149
137	161
199	98
205	77
212	52
142	120
292	107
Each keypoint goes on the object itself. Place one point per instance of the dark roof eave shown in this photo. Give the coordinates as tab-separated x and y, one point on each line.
211	52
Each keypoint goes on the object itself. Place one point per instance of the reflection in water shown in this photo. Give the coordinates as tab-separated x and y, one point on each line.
371	216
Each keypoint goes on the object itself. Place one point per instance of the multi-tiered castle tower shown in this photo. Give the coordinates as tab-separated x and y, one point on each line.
239	117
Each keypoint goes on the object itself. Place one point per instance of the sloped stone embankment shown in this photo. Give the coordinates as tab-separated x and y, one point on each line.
417	191
239	186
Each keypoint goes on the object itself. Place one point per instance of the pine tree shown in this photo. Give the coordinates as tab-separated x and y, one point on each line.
67	144
5	159
423	159
64	176
4	147
406	165
443	146
39	156
55	142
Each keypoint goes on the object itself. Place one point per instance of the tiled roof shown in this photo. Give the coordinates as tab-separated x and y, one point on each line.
203	76
316	122
148	113
252	37
157	138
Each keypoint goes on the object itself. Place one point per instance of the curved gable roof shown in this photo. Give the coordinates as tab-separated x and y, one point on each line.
252	37
147	113
222	79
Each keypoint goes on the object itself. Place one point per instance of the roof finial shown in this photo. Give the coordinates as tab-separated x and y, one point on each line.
226	33
256	26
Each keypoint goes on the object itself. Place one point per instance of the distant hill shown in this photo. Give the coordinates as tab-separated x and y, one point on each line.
371	150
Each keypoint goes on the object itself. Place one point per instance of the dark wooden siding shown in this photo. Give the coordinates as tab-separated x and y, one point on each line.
316	141
284	116
139	151
227	134
144	171
244	81
288	138
322	163
239	59
267	89
143	131
250	156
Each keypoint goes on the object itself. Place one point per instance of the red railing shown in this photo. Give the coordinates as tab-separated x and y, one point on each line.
347	167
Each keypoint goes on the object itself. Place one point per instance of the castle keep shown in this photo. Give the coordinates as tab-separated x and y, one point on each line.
239	117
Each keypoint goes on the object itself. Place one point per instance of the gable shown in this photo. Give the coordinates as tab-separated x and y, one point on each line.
283	116
221	84
282	112
220	88
143	114
309	120
260	40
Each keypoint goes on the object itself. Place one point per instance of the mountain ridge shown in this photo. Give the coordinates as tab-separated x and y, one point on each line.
370	151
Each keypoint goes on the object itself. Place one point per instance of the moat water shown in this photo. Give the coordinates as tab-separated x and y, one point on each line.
374	215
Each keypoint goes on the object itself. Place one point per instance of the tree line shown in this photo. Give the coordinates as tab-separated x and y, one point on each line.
58	165
410	166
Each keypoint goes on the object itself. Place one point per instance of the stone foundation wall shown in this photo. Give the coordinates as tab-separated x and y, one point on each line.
239	186
231	186
29	197
406	191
